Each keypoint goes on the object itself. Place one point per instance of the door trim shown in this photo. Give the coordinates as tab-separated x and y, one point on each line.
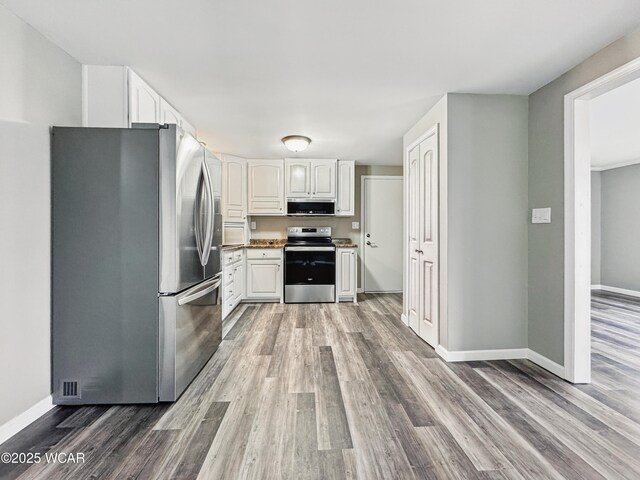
577	219
442	229
363	210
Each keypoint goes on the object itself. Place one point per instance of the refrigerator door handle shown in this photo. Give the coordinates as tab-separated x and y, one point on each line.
197	209
200	291
208	240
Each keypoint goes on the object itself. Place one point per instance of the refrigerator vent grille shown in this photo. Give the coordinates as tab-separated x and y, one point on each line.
70	389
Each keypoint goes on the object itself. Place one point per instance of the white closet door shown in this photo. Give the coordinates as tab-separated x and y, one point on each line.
428	240
413	290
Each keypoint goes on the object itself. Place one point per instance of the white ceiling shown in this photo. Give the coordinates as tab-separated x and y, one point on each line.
354	75
615	127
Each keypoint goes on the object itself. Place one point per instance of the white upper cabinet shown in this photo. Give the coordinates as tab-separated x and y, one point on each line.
234	181
310	178
266	187
298	178
345	201
323	178
115	96
144	101
168	114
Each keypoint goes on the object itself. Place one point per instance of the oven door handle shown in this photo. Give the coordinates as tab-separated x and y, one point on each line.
309	249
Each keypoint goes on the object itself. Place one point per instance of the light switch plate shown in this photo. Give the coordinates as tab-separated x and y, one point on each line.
253	225
355	225
541	215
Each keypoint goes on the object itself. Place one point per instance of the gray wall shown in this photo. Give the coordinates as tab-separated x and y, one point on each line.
483	246
595	227
40	85
546	189
276	227
487	221
621	228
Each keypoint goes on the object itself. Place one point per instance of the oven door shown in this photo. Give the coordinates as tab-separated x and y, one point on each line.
309	274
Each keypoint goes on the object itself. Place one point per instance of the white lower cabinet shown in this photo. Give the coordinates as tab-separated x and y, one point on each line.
238	282
264	274
346	274
232	280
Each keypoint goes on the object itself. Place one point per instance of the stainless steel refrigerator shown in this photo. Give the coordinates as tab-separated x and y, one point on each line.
136	275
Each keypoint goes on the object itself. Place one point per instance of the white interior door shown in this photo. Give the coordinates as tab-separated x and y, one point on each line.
413	286
427	250
382	229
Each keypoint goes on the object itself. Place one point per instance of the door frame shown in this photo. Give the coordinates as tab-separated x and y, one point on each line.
577	219
442	228
363	210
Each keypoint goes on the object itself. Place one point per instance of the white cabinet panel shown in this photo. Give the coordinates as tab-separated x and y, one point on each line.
238	283
323	178
168	114
266	187
346	276
298	178
234	181
144	101
264	279
345	201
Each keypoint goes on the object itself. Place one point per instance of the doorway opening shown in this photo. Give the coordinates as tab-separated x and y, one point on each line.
585	135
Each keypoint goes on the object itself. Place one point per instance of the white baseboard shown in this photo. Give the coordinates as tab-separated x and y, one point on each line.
475	355
545	363
404	319
502	354
622	291
13	426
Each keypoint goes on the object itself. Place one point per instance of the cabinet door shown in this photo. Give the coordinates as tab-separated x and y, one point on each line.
345	201
298	178
263	279
238	282
234	188
323	178
168	114
346	282
144	102
266	187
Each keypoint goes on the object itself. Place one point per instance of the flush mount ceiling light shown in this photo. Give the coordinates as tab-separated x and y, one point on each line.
296	143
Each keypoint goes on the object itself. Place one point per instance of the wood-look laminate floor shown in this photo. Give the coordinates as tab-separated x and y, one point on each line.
346	391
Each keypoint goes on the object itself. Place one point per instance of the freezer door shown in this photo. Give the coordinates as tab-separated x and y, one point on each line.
214	170
181	181
190	333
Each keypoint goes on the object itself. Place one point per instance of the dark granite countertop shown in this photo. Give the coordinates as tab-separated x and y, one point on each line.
344	243
261	243
279	243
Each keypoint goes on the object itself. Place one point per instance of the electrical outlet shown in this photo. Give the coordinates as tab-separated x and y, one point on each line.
355	225
541	215
253	225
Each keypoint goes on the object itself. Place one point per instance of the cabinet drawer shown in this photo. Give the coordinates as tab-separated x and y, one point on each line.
227	275
237	255
227	257
227	294
258	253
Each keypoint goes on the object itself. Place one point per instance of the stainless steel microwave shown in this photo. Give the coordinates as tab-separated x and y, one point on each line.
297	207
